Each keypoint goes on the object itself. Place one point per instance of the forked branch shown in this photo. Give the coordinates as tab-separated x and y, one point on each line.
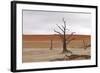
70	35
60	28
60	34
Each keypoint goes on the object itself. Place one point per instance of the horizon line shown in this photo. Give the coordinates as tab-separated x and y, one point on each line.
54	34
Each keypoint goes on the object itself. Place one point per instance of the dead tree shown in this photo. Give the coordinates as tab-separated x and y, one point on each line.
85	45
62	34
51	45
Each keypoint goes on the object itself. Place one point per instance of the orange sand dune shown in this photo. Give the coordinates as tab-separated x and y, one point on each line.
53	37
43	41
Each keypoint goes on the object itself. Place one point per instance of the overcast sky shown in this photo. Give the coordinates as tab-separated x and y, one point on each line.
44	22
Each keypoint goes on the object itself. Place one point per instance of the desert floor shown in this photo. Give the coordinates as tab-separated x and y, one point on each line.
45	54
36	48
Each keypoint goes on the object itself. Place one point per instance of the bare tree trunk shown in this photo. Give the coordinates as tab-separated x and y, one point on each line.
84	45
50	44
64	46
64	42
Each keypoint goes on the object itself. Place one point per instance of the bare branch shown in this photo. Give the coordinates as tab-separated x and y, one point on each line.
64	23
63	27
70	40
70	35
60	28
58	32
84	43
85	46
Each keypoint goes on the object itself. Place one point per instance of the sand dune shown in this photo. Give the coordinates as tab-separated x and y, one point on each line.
36	48
53	37
44	41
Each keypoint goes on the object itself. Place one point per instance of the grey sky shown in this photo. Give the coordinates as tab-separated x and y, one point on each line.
44	22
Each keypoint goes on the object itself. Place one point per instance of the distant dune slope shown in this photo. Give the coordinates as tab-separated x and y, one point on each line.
44	41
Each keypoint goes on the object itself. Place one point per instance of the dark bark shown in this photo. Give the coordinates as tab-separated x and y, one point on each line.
51	47
64	46
85	46
63	36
